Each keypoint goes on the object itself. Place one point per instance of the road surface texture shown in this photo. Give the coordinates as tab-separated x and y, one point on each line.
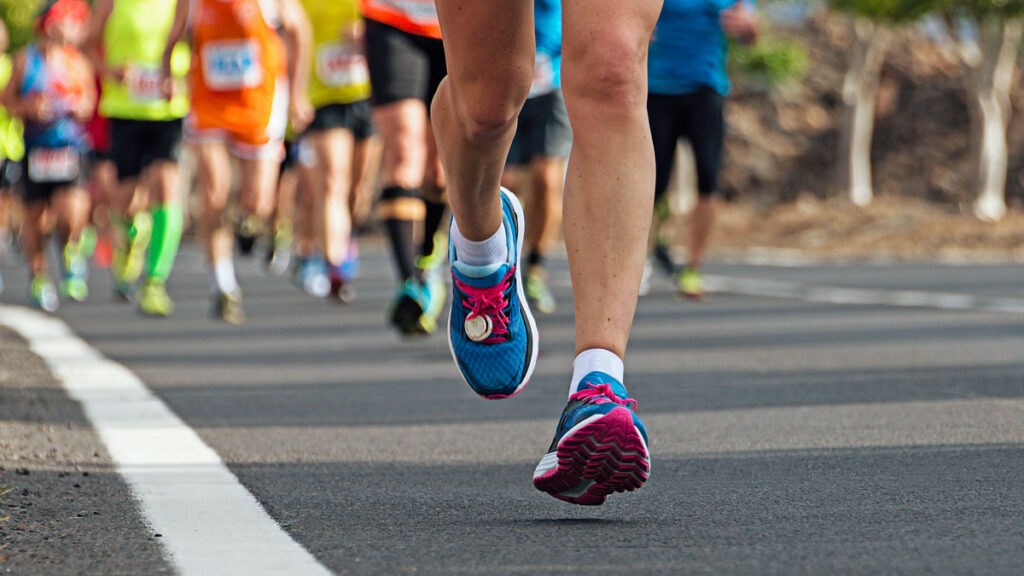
791	432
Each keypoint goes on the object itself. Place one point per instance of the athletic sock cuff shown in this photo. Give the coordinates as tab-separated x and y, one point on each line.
596	360
484	253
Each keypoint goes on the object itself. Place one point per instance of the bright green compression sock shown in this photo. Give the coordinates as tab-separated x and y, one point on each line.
167	226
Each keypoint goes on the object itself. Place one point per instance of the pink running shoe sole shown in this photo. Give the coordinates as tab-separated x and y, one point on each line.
601	455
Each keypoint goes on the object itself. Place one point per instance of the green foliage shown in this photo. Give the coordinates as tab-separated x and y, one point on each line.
19	14
772	60
981	9
891	11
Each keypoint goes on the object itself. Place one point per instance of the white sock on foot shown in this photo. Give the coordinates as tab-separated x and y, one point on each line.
595	360
224	276
493	250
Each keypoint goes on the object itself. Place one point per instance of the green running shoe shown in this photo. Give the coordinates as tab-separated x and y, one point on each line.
74	288
74	284
691	283
154	300
539	294
42	293
130	258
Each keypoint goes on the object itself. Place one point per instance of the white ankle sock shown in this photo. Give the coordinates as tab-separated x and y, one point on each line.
491	251
595	360
223	277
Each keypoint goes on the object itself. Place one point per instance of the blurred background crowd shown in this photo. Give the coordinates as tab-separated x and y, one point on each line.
854	128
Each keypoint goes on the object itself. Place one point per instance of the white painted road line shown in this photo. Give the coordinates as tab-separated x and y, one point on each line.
875	296
210	524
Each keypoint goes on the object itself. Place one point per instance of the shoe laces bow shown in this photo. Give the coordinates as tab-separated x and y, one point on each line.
602	394
490	302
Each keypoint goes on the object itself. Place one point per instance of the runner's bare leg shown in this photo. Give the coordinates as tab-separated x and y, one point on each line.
609	189
544	210
258	186
489	47
334	165
702	222
213	171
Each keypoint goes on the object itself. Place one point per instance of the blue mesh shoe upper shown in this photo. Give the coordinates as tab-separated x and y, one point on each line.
598	393
494	350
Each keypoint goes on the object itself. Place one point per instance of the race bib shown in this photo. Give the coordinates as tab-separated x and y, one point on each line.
543	76
144	84
339	64
232	65
53	165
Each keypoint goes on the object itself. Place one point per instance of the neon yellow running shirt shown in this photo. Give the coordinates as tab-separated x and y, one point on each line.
12	144
133	41
339	74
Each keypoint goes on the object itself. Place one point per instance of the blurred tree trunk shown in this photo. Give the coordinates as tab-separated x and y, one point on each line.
869	43
999	42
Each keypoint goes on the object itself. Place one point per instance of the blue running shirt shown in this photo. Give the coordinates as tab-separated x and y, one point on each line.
547	17
688	48
64	130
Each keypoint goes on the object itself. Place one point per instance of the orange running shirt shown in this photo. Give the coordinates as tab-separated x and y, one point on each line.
417	17
238	61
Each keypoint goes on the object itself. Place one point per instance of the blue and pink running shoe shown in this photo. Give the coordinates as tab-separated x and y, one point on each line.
600	445
491	332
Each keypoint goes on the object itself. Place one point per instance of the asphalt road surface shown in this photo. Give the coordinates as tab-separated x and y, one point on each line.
791	432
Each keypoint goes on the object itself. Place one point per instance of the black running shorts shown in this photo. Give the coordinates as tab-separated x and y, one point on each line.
402	66
698	117
135	144
46	170
355	117
543	130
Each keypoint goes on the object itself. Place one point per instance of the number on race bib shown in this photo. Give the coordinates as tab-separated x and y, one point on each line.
232	65
339	64
53	165
144	84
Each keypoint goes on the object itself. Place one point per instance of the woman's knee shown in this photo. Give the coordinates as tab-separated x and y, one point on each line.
607	76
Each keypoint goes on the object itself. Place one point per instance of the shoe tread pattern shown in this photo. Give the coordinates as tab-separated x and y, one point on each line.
608	452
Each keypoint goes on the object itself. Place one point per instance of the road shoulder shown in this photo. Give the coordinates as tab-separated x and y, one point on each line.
64	508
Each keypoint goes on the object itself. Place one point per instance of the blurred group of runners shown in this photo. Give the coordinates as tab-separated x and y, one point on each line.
297	111
272	97
282	88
